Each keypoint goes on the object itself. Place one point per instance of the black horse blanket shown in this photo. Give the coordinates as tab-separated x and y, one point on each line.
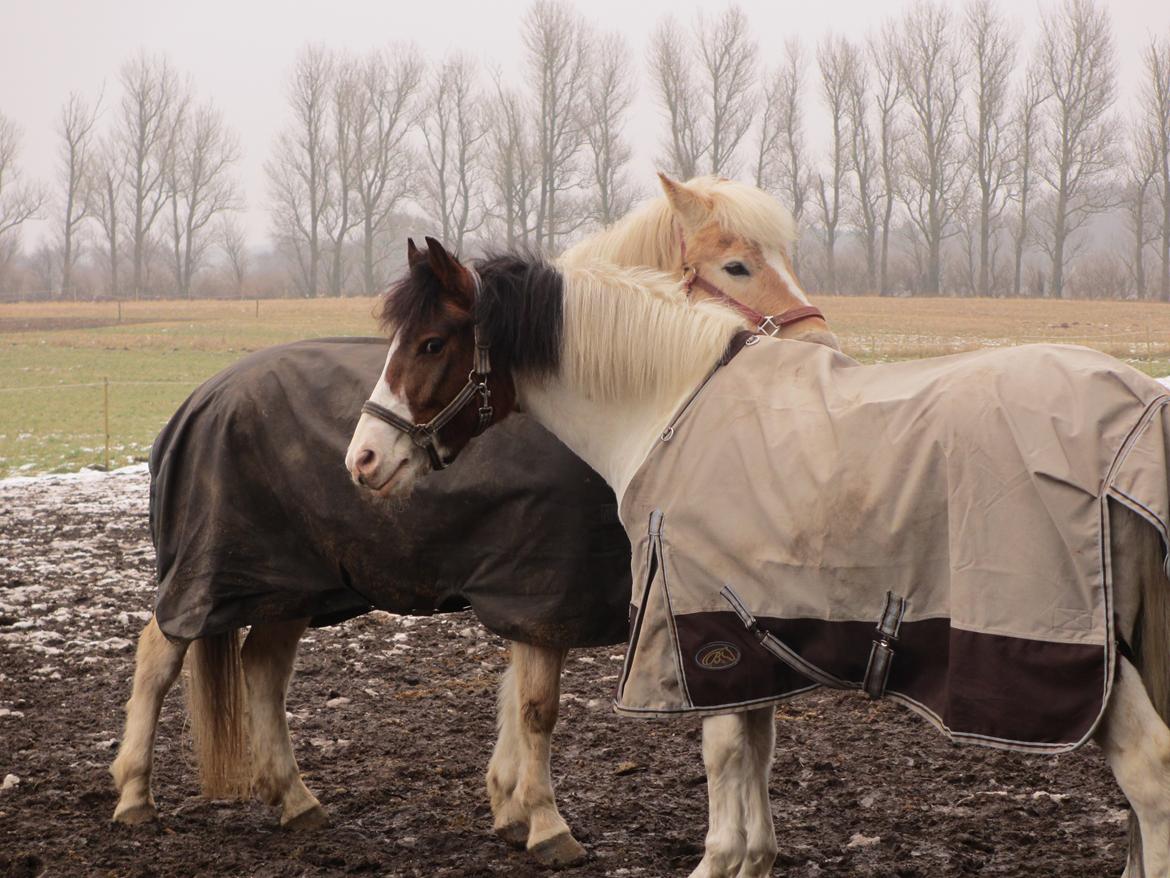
255	519
801	501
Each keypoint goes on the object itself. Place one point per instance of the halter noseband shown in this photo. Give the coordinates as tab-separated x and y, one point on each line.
765	324
426	435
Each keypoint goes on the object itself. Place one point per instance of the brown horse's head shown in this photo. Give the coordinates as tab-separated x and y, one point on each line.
432	316
738	238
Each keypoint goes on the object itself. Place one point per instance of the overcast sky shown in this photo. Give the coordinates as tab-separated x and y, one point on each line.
238	52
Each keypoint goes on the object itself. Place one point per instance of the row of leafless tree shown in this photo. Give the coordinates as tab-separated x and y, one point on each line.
953	158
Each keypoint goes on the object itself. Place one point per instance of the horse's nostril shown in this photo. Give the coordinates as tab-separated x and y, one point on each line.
365	459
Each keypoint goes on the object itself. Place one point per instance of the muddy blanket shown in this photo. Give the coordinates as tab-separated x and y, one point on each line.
800	499
255	518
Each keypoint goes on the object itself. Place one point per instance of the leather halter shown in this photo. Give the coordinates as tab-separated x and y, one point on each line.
426	435
765	324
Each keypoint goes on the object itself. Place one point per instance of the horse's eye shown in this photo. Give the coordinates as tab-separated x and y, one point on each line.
432	345
738	269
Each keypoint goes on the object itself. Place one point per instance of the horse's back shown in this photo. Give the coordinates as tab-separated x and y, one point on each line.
255	518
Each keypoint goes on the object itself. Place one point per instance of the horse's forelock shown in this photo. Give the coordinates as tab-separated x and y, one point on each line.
413	298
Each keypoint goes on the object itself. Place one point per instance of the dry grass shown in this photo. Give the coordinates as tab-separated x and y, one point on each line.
54	356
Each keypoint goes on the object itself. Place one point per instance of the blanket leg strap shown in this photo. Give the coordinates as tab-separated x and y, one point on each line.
779	649
881	654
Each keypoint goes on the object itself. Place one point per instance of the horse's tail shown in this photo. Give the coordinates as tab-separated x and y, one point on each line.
215	699
1152	640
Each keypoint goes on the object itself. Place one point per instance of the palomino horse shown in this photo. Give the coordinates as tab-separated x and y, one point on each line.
607	359
729	242
238	695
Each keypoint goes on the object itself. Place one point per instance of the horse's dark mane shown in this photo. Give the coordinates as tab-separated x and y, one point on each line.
519	309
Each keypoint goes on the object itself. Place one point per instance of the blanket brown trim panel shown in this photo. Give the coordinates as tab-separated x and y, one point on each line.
723	663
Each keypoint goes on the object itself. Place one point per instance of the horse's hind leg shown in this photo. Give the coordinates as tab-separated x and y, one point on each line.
533	703
268	657
761	832
156	666
1137	746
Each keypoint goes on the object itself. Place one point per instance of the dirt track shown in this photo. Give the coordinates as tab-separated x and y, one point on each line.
858	789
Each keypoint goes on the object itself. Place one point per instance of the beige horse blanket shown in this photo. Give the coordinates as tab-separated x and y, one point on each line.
800	502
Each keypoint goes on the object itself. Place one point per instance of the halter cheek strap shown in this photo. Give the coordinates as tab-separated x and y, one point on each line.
765	324
426	436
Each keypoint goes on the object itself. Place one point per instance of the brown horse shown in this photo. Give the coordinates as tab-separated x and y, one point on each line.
732	235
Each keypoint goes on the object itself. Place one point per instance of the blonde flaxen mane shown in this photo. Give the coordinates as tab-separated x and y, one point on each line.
630	333
648	235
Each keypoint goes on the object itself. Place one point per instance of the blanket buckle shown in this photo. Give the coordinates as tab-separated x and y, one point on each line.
881	654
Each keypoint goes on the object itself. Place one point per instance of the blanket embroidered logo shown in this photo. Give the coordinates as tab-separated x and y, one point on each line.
718	656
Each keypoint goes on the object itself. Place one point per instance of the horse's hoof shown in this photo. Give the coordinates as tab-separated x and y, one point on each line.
515	834
133	815
558	852
308	820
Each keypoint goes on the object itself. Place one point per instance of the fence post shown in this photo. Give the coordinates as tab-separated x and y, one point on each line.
119	310
257	307
106	410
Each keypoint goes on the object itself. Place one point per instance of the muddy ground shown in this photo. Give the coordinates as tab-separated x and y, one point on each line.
858	788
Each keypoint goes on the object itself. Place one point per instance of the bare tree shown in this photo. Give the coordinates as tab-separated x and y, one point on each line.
991	48
781	155
557	46
20	201
833	59
453	128
75	127
729	58
1155	99
200	187
149	115
611	91
1024	147
233	241
298	171
513	170
934	171
887	97
674	83
1076	48
390	85
340	216
863	158
108	188
1141	177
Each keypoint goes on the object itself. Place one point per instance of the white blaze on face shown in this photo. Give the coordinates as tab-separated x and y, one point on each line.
780	265
372	433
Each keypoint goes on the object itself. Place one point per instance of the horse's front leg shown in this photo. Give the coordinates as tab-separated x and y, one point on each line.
156	666
726	741
268	656
519	776
761	832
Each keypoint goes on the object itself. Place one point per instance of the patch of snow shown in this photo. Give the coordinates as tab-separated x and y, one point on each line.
863	841
85	475
10	781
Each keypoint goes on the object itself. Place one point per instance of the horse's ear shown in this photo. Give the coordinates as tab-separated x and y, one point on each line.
450	272
690	207
414	256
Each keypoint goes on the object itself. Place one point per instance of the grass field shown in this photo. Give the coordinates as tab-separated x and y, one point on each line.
55	358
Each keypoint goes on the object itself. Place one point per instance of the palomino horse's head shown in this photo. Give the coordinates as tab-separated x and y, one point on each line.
436	391
738	239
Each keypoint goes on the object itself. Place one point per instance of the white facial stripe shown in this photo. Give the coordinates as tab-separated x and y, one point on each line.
382	393
780	265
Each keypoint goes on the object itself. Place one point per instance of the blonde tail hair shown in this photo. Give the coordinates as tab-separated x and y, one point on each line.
217	706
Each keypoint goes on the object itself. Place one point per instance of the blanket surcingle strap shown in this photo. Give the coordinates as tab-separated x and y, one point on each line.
935	532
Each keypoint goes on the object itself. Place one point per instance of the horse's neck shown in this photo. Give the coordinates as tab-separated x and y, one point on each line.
630	356
612	437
